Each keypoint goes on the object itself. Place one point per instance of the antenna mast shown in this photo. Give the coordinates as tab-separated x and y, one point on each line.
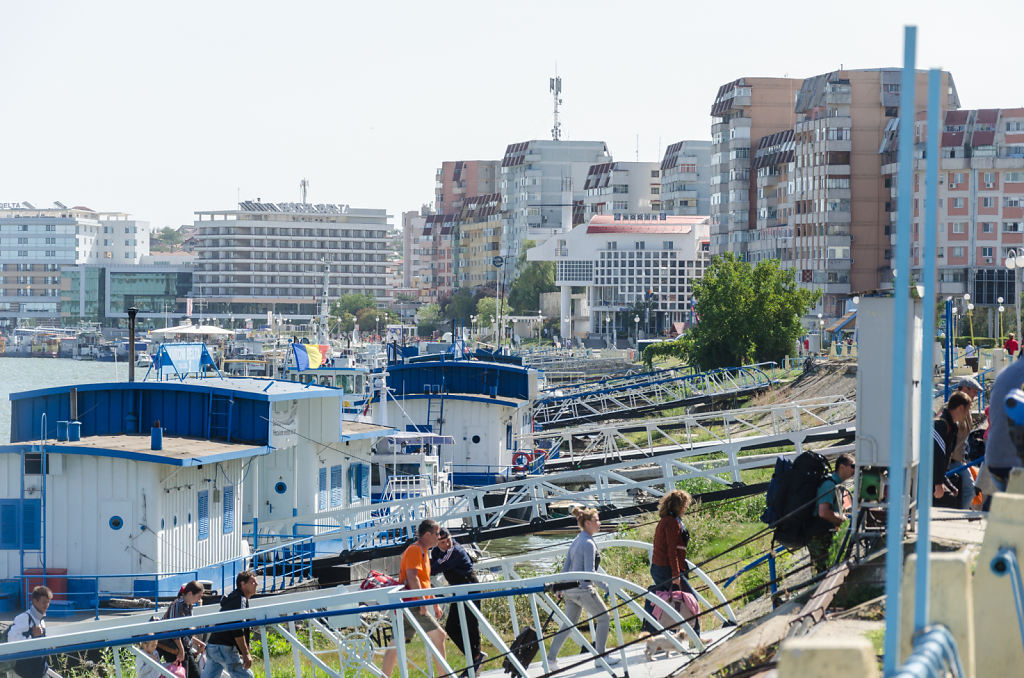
555	87
303	187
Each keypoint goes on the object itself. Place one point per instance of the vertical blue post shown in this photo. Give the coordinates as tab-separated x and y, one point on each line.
925	463
900	377
949	346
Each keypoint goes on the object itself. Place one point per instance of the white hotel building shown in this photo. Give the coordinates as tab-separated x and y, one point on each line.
36	243
271	257
633	266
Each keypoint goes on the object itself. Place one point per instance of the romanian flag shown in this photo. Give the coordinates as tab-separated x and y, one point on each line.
310	356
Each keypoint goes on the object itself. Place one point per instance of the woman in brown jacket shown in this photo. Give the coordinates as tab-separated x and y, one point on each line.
668	558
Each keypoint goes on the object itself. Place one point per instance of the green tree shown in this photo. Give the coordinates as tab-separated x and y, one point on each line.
486	312
461	305
428	319
535	278
351	303
747	314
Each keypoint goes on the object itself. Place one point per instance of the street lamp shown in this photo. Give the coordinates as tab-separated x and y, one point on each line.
1001	309
540	324
568	324
376	325
472	325
636	328
821	334
1014	262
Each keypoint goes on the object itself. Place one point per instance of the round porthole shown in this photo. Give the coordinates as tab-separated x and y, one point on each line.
476	439
116	522
280	487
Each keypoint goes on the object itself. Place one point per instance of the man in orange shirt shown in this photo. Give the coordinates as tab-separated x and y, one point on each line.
414	571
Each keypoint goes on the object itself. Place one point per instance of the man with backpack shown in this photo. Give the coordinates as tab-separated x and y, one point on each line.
828	512
28	625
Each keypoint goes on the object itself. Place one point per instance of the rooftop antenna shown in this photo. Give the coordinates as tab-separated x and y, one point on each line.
555	87
638	147
303	187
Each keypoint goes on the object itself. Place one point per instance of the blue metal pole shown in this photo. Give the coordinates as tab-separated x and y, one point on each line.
949	346
900	377
925	463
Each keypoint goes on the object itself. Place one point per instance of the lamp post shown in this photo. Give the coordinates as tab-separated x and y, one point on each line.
1001	309
568	324
1015	262
540	324
472	326
821	334
636	329
376	325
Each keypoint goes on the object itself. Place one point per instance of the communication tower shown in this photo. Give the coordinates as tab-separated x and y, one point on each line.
555	86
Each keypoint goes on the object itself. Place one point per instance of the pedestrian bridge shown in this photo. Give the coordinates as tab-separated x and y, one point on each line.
344	631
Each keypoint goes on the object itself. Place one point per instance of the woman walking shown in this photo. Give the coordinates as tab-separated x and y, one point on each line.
671	539
583	556
183	649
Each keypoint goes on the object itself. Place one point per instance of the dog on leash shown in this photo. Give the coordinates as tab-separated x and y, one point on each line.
662	644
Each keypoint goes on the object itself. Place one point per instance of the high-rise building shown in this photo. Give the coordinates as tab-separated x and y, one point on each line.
835	201
272	257
477	242
36	243
622	187
980	219
542	188
461	179
744	110
686	178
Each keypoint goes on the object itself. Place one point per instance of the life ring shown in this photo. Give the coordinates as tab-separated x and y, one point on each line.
521	461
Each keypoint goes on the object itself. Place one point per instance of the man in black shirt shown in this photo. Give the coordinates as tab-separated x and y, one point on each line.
229	650
450	559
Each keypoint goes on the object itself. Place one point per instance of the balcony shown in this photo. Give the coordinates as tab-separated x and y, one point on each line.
838	264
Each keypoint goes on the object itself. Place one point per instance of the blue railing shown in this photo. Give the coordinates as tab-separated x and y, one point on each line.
277	568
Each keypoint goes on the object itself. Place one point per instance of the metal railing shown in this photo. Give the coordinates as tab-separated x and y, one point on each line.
358	625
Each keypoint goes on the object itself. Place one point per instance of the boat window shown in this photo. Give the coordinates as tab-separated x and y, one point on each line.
475	439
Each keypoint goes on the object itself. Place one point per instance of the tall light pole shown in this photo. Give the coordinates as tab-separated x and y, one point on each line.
472	326
821	334
1015	262
568	323
1001	309
636	330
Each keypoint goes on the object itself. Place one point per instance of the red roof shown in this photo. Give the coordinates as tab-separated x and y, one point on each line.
952	139
957	117
648	223
983	138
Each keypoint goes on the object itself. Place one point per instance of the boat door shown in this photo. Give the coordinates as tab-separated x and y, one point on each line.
117	529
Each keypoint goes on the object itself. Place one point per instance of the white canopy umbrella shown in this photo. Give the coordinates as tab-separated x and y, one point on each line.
194	330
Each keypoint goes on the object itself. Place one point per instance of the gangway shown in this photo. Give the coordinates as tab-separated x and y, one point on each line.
622	379
798	422
350	628
632	400
532	499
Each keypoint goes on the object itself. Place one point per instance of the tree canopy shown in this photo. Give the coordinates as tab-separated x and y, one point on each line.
746	314
486	312
428	319
535	278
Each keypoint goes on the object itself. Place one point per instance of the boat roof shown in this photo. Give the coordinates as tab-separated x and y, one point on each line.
256	389
420	438
176	451
358	430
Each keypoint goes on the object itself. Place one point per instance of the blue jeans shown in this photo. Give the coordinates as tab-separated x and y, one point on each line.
223	658
966	488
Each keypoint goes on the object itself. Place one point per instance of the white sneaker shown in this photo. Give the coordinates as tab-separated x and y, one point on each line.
613	659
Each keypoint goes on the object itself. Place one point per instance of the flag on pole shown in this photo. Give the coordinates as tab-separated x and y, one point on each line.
310	356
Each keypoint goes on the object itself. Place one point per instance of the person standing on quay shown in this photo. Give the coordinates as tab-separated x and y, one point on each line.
451	559
28	625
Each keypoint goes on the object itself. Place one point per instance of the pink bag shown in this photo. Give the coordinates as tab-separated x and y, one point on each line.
177	669
685	603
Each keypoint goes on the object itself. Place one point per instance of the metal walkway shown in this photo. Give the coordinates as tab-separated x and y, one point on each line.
646	396
344	631
531	498
825	418
633	377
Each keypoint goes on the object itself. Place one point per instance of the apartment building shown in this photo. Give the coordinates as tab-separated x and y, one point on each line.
36	243
638	270
478	242
417	251
542	188
772	238
836	200
622	187
437	272
271	257
457	180
744	111
104	293
686	178
980	200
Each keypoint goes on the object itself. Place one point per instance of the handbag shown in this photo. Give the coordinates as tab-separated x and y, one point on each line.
683	602
177	669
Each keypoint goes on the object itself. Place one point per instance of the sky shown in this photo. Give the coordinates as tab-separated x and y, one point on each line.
162	109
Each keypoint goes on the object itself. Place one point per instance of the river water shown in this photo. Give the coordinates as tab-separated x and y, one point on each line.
26	374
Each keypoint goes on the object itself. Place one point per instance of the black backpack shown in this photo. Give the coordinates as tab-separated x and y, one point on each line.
794	499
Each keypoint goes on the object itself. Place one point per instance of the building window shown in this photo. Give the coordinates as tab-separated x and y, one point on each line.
959	227
1012	227
956	251
337	481
229	509
986	252
26	514
321	493
988	201
957	203
987	227
204	515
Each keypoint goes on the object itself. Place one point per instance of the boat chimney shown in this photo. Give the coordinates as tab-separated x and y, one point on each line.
73	395
132	311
